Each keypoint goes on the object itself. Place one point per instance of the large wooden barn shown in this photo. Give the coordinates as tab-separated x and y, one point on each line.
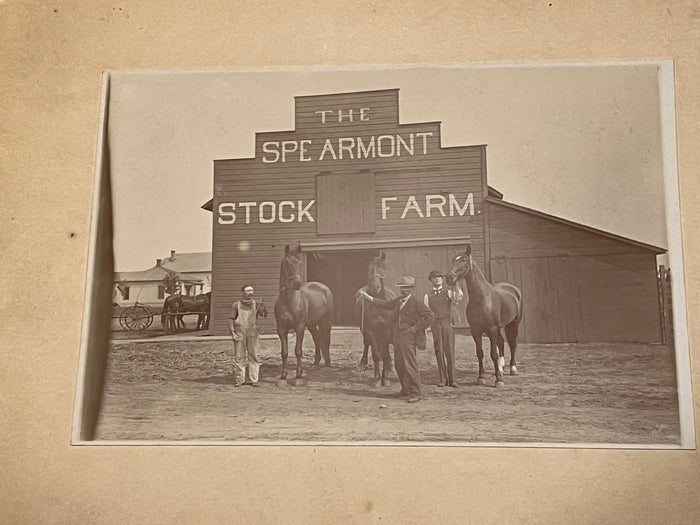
350	180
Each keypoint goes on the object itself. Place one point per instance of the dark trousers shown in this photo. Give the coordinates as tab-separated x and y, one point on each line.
444	343
406	363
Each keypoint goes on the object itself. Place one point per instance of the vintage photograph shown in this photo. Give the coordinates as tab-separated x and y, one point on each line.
423	255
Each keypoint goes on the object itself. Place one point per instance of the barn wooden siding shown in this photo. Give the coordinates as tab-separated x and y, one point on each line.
577	284
251	253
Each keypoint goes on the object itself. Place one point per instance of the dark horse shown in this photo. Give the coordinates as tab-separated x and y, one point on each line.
495	310
176	306
299	306
375	323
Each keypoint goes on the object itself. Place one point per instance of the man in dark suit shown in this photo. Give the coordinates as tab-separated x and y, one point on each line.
411	319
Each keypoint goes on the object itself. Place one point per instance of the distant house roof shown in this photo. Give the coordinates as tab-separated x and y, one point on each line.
152	274
577	225
187	262
192	267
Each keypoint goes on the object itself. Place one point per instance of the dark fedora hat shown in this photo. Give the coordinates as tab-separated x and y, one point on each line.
406	282
435	273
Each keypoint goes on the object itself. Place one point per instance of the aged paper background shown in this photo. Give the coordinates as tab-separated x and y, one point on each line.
51	59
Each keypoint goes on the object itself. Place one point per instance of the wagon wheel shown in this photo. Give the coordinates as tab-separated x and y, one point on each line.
136	318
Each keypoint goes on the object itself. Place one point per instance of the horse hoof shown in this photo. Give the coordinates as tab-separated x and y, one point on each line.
327	363
376	384
513	371
317	362
386	382
499	384
282	382
481	381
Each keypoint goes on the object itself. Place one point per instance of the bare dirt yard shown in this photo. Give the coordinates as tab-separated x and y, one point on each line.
565	393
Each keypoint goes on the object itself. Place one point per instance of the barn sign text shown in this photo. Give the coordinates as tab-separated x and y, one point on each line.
288	211
350	147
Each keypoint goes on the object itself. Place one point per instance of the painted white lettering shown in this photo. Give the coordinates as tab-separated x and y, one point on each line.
341	116
468	205
305	211
226	213
429	204
385	206
364	114
271	147
328	146
411	204
323	115
281	216
247	206
302	151
343	147
408	147
380	151
425	140
363	152
288	146
261	212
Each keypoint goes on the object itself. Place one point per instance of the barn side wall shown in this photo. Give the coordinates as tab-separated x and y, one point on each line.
577	285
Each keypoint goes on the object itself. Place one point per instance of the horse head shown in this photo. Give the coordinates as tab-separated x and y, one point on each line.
461	265
290	268
376	274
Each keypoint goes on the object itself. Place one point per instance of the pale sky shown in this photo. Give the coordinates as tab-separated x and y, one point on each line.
582	143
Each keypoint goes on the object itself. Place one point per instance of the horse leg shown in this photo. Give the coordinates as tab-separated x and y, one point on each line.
282	333
317	342
365	351
386	362
480	356
376	354
299	330
512	336
324	328
497	366
501	349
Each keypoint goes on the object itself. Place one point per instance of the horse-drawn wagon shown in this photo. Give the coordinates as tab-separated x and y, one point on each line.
136	317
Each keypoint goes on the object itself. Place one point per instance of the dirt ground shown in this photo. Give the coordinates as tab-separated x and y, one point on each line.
565	393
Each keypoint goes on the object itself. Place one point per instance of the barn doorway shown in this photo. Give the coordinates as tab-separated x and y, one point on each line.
344	272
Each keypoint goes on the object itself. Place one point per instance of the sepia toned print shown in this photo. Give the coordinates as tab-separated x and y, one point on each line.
352	219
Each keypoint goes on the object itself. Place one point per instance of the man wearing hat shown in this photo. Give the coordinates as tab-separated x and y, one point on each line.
411	319
440	301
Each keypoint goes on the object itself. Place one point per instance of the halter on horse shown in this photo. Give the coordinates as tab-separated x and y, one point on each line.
494	310
376	324
299	306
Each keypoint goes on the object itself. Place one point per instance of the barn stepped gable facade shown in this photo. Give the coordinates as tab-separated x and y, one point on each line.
350	180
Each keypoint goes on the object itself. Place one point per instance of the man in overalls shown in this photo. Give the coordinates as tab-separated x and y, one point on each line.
241	324
440	300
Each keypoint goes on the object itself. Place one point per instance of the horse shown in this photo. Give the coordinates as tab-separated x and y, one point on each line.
176	306
376	324
201	304
495	310
299	306
169	319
